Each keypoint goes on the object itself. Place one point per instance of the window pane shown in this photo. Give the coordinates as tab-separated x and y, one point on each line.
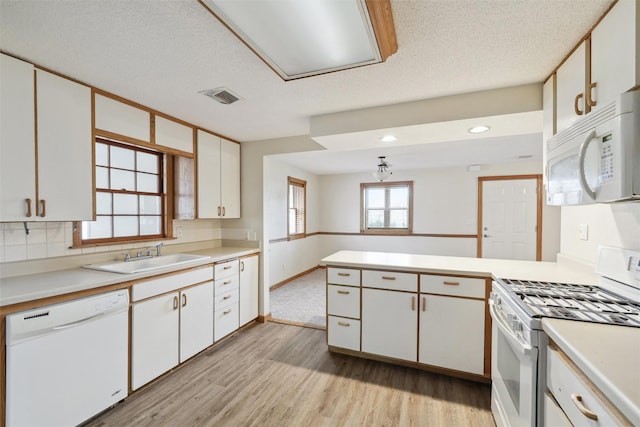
399	197
103	203
374	198
150	205
122	180
292	221
122	158
375	218
147	162
98	229
102	154
398	218
150	225
125	226
125	204
102	177
147	183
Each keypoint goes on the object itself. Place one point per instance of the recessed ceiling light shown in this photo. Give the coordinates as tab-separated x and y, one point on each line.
479	129
388	138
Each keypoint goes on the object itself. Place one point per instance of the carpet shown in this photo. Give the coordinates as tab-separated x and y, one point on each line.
302	300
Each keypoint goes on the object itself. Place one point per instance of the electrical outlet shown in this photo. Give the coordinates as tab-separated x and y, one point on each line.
583	231
178	231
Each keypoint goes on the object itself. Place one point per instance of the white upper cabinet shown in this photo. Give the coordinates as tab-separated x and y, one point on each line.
173	135
548	109
571	79
65	161
60	111
218	162
615	49
122	119
17	140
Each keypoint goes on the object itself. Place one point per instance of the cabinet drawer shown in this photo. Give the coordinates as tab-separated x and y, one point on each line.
226	321
226	284
226	269
344	333
343	301
169	283
343	276
457	286
576	398
224	299
390	280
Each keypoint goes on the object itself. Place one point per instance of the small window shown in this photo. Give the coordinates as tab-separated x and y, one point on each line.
387	207
297	218
129	195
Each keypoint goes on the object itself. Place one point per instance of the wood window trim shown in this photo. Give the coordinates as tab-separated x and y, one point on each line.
386	231
166	192
303	184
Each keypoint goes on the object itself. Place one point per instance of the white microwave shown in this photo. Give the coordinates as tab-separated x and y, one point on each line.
597	159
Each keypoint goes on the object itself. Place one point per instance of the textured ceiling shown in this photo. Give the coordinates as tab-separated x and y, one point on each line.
162	53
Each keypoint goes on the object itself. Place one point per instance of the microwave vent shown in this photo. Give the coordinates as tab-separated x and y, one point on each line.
222	95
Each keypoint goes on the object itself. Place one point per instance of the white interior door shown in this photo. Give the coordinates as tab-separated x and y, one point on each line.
509	219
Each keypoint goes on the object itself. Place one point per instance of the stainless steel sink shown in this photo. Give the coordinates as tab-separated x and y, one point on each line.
147	264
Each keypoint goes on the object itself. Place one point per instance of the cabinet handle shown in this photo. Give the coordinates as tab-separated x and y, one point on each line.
241	265
224	211
344	324
226	267
28	201
413	303
43	205
576	108
388	278
451	283
175	303
219	211
184	300
227	282
226	297
577	400
344	292
226	311
344	274
590	100
424	304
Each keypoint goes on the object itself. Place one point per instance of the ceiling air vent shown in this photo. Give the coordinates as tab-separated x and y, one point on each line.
222	95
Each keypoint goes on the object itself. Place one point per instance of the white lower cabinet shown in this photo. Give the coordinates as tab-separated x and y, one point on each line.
390	323
154	338
227	297
343	332
196	320
452	333
249	270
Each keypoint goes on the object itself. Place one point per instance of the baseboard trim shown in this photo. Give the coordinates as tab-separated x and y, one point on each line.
292	278
301	324
264	318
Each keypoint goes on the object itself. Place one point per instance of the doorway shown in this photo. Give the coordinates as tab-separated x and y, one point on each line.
510	217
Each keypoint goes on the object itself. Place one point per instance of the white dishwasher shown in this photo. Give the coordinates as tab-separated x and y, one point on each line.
67	362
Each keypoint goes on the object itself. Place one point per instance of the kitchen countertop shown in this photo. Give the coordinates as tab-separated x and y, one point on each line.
31	287
609	355
563	272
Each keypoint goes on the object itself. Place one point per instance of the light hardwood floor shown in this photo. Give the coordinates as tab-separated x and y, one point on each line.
282	375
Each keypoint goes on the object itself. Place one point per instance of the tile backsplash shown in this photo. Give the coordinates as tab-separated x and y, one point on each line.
37	240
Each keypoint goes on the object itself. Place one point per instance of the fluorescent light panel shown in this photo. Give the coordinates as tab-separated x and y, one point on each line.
301	38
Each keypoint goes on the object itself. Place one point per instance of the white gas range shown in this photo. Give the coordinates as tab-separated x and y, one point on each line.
517	309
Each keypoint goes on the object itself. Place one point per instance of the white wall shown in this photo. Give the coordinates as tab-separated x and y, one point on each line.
608	224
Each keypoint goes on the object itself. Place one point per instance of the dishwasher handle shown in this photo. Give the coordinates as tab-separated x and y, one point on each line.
78	322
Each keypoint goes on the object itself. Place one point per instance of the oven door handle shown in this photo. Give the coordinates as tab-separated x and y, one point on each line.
522	348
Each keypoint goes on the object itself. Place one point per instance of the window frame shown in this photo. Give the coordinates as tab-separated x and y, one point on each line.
163	175
302	184
386	230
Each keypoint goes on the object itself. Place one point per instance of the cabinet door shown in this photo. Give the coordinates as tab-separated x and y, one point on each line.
154	338
17	140
173	135
208	162
571	82
548	110
452	333
65	155
390	324
196	320
122	119
615	52
230	179
248	289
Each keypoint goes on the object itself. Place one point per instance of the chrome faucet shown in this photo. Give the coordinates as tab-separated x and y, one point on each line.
147	252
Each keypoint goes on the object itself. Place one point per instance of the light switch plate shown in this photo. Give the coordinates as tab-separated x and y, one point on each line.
583	231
